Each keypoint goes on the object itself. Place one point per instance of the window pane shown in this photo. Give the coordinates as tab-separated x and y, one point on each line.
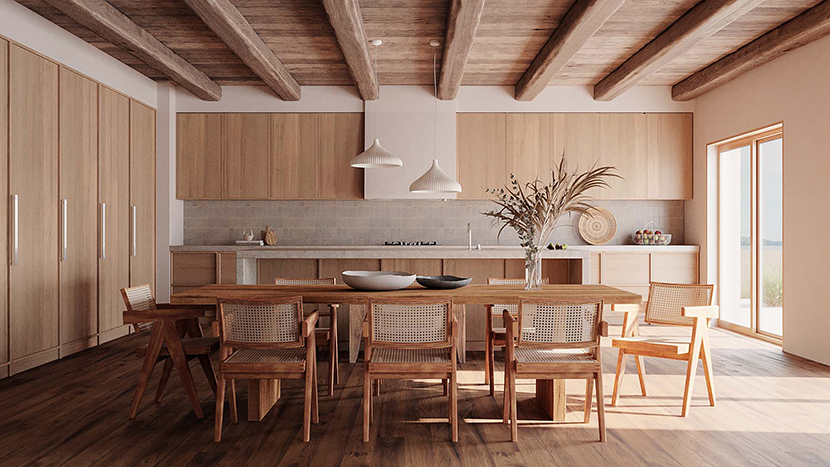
736	236
770	314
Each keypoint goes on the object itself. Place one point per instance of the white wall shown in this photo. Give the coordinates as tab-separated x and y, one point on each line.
169	210
27	28
793	89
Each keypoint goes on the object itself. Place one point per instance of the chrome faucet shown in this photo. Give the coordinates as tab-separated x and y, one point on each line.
470	235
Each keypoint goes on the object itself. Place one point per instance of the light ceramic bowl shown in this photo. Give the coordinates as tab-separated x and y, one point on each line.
378	280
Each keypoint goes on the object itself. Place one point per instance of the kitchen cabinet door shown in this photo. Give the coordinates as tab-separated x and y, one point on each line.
623	145
79	211
199	156
576	135
530	153
33	172
669	155
142	195
339	139
481	153
246	153
4	214
114	210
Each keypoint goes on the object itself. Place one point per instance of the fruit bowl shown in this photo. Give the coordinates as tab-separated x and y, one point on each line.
378	280
648	237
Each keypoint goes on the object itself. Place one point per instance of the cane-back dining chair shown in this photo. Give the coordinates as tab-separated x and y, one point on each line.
674	305
494	333
326	334
554	340
410	339
175	338
266	339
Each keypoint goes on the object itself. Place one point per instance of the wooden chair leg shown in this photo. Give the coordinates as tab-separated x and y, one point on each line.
332	367
492	368
454	406
231	386
506	396
367	394
220	407
514	429
589	398
174	346
165	375
309	383
600	407
446	386
618	377
150	359
315	408
691	370
487	334
707	367
641	372
334	345
207	367
377	387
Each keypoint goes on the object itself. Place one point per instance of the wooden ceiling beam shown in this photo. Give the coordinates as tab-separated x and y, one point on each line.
225	20
702	21
578	25
462	24
347	22
109	23
807	27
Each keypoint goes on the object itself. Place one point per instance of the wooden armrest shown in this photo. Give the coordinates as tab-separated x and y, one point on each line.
365	329
603	328
136	317
214	326
700	311
510	322
167	306
308	324
454	328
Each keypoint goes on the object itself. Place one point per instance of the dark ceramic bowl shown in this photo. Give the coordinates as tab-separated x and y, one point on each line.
443	282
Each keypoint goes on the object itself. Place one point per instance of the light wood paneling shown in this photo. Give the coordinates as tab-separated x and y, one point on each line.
421	267
681	268
114	190
577	137
246	154
192	268
4	213
340	138
480	270
556	271
480	153
199	156
227	268
530	151
143	194
623	145
624	268
33	170
595	267
293	176
79	187
335	267
669	155
268	269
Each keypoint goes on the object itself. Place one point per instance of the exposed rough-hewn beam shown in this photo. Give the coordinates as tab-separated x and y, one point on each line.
703	20
345	18
583	19
462	24
109	23
807	27
225	20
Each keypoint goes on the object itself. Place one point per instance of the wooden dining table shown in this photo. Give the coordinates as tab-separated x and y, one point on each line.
263	394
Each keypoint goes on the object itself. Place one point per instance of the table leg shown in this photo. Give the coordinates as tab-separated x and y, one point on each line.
262	395
460	312
551	394
356	315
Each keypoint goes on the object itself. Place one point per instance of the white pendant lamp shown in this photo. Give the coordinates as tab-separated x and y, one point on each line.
435	180
376	157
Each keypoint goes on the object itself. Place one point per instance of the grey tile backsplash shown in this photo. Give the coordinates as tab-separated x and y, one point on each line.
357	222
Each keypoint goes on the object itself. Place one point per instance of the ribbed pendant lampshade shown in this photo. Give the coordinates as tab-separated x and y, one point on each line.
375	158
435	180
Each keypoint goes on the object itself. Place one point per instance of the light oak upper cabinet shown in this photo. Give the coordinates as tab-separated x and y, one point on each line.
669	155
339	139
293	167
33	171
622	139
246	153
79	204
481	153
4	214
577	138
114	208
142	194
199	156
530	151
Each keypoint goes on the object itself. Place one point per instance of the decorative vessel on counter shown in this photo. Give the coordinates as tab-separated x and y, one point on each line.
649	237
269	236
535	208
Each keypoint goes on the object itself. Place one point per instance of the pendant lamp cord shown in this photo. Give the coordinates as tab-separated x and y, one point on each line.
377	104
435	89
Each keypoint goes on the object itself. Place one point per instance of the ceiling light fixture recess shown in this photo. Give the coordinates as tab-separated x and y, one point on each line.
435	180
376	157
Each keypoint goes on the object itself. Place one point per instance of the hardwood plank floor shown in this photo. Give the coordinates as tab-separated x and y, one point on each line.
773	409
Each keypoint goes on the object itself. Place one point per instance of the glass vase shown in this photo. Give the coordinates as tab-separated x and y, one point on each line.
533	269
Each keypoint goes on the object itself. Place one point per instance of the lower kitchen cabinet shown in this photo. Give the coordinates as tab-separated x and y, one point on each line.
193	269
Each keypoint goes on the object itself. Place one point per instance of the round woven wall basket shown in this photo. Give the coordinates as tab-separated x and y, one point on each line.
598	226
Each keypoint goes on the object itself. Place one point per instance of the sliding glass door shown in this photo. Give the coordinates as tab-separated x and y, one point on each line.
751	228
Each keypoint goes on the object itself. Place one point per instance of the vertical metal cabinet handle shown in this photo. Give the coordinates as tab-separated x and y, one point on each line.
15	201
64	234
103	230
134	230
